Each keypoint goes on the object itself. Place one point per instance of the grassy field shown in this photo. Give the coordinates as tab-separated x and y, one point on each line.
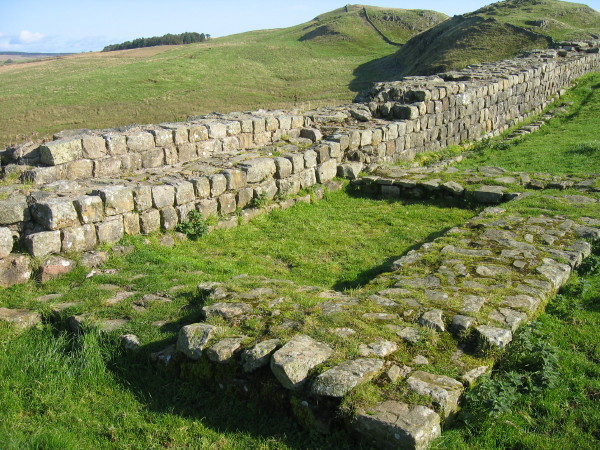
305	66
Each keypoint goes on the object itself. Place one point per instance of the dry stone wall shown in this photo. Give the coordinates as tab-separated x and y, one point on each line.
85	187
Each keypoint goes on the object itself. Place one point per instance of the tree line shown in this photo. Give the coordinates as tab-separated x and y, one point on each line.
167	39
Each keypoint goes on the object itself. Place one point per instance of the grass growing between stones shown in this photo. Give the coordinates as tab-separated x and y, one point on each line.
64	391
545	390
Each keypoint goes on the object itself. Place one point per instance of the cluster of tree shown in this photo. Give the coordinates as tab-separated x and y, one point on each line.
167	39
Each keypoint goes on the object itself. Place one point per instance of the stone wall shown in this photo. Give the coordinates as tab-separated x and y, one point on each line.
85	187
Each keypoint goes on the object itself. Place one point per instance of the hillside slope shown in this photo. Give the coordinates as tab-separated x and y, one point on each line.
306	65
498	31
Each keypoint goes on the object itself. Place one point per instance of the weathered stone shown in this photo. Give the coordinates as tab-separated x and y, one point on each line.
140	141
395	373
489	194
258	169
492	271
471	377
522	302
326	171
117	199
444	391
192	339
14	269
43	243
89	208
94	147
557	273
218	184
379	348
392	424
434	318
130	342
311	133
223	351
54	214
61	151
20	318
454	188
341	379
110	231
259	355
461	324
496	337
169	219
227	311
6	242
93	259
292	362
14	211
350	170
381	317
236	179
465	251
54	267
163	195
142	198
509	317
149	221
78	239
284	167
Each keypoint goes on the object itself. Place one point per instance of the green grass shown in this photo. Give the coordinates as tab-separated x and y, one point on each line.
568	144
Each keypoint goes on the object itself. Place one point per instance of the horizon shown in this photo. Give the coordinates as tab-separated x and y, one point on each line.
67	26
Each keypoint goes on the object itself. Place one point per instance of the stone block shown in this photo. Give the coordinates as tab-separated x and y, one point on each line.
341	379
258	169
216	130
308	178
142	198
350	170
163	195
171	156
289	186
116	144
297	160
169	218
236	179
183	211
184	192
131	223
61	151
218	184
392	424
107	167
207	207
231	144
179	131
149	221
54	214
79	169
140	141
20	318
311	133
198	133
227	203
244	197
292	362
14	269
194	338
223	351
284	167
6	242
116	199
310	159
258	125
43	243
94	147
268	189
187	152
89	208
163	137
14	211
110	231
153	158
208	147
201	187
489	194
326	171
78	239
493	336
443	390
259	355
55	266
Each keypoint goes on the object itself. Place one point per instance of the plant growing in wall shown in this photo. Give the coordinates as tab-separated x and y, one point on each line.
195	227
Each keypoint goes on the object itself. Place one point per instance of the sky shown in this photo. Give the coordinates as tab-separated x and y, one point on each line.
74	26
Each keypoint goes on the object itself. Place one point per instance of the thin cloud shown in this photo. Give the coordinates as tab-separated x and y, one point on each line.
27	37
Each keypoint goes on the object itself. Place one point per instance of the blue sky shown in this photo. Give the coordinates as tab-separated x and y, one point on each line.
89	25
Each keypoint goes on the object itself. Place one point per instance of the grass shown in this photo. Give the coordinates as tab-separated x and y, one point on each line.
548	150
304	66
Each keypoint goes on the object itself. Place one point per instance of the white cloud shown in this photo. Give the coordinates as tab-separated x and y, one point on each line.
27	37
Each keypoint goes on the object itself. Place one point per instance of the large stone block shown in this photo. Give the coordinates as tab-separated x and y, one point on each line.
292	362
14	211
94	147
227	203
142	197
201	187
244	196
284	167
192	339
443	390
54	214
55	266
61	151
153	158
117	199
163	137
310	158
236	179
107	167
169	218
116	144
89	208
207	207
14	269
258	169
163	195
184	192
78	239
140	141
308	178
110	231
187	152
149	221
218	184
341	379
6	242
43	243
327	171
297	160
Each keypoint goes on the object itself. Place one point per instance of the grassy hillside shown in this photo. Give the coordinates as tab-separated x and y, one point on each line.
516	25
306	65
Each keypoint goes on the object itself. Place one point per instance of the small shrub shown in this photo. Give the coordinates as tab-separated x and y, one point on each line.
260	201
195	227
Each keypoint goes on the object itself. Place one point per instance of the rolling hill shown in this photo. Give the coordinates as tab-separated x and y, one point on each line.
497	31
306	65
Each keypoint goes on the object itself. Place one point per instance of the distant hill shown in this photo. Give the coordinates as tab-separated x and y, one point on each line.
155	41
20	57
497	31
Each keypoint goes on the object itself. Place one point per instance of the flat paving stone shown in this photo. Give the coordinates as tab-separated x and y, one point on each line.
341	379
